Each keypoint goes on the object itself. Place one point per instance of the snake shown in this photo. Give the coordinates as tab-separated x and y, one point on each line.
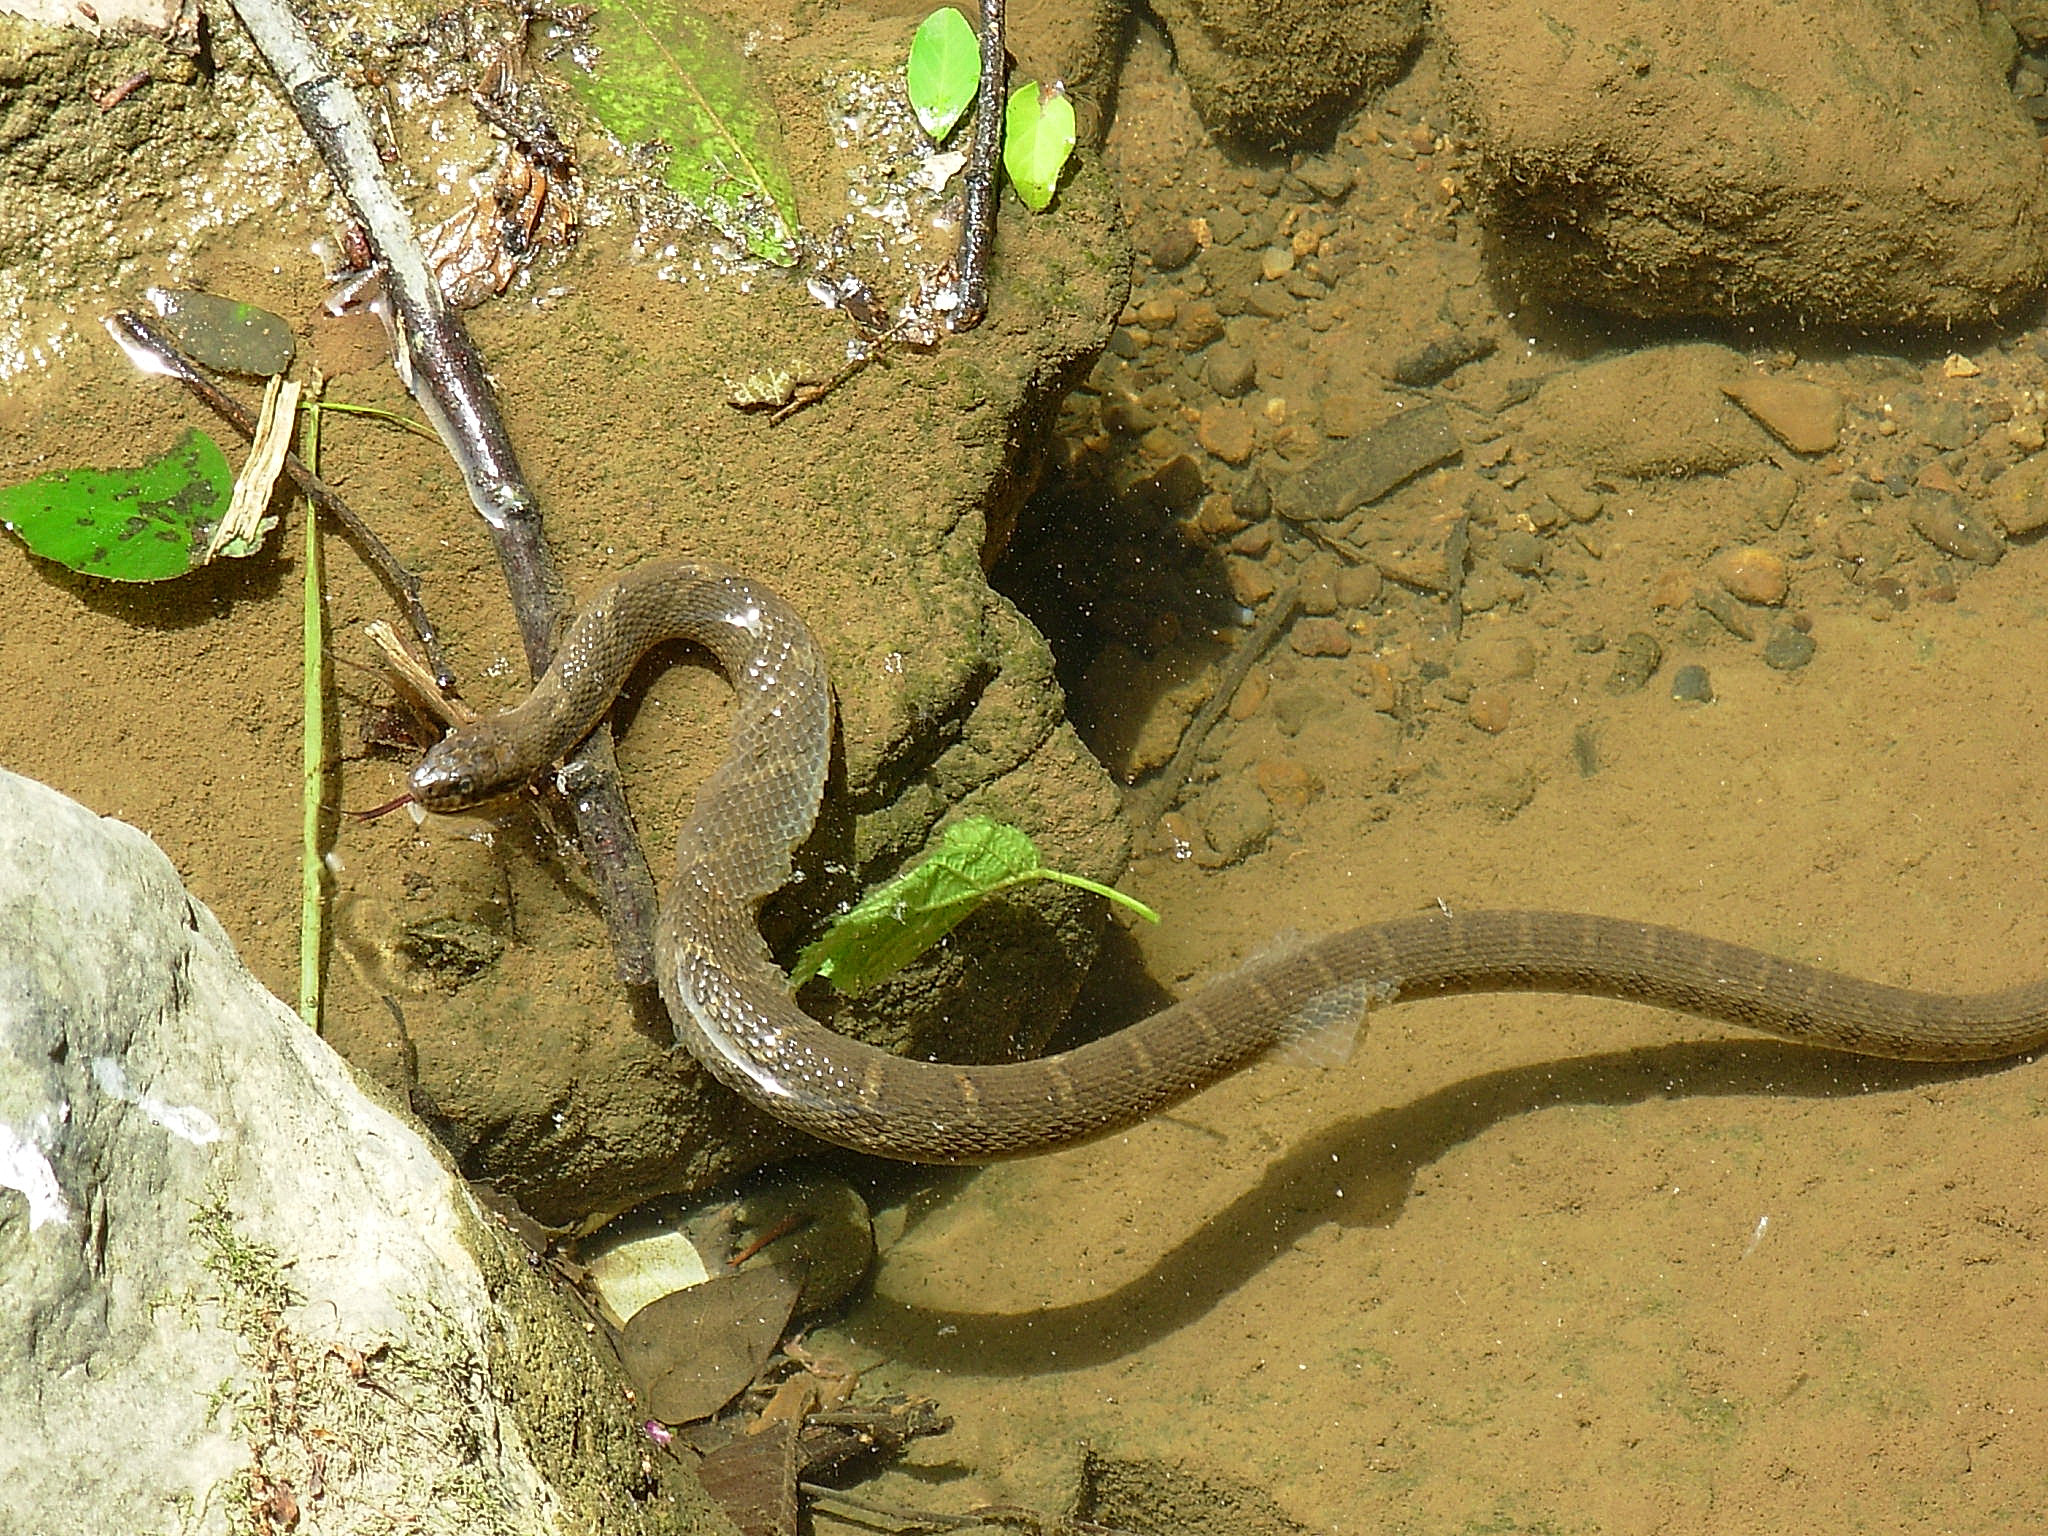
732	1008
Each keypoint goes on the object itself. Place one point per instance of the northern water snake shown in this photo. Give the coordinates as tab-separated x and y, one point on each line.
731	1005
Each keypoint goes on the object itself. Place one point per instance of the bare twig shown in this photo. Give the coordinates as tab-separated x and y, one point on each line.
133	332
440	366
1147	803
984	172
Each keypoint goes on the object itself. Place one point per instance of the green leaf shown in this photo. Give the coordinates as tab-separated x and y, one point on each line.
1038	136
899	920
142	524
667	73
944	69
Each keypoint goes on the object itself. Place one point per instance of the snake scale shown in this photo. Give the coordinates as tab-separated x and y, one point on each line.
731	1005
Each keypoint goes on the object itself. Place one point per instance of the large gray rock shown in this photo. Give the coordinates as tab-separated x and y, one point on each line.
237	1294
1854	162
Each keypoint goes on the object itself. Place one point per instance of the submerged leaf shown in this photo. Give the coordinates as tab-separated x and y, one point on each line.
125	524
667	73
900	919
1038	136
944	69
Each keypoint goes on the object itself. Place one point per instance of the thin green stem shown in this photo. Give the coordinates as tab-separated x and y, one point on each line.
1110	892
313	408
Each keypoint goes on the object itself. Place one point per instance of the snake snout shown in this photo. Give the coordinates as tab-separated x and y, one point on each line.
459	771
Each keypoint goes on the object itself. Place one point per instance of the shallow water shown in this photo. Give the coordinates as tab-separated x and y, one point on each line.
1526	1264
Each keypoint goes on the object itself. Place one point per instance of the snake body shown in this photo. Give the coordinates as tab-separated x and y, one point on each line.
731	1005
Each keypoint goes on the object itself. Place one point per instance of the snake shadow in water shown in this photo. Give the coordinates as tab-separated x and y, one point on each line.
1372	1159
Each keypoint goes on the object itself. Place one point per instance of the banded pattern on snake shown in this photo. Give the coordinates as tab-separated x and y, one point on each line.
731	1005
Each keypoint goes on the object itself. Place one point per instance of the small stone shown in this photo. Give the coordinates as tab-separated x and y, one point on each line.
1250	582
1251	693
1636	660
1173	248
1373	682
1519	550
1217	517
1275	262
1327	177
1691	685
1934	476
1157	313
1271	301
1298	705
1235	822
1957	366
1358	586
1788	649
2018	500
1198	325
1254	541
1285	783
1953	528
1229	371
1226	432
1491	709
1320	637
1671	589
1807	418
1318	586
1752	574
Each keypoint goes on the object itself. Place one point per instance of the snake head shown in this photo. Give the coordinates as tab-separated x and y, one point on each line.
464	768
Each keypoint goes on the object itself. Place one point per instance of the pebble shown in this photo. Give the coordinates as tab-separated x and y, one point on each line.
1275	262
1788	649
1235	823
1217	517
1752	574
2019	499
1320	637
1373	682
1173	248
1691	685
1229	371
1807	418
1952	528
1226	432
1286	784
1250	582
1328	178
1198	325
1251	693
1519	550
1358	586
1491	709
1636	661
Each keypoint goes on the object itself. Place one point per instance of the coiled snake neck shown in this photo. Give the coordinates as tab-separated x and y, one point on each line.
731	1006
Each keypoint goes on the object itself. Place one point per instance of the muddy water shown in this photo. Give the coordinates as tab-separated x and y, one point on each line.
1529	1264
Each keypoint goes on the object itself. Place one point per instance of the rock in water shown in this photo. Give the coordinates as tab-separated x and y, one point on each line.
239	1294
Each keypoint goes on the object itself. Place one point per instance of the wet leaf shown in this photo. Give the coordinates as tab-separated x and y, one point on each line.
944	69
902	918
668	73
1038	136
125	524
